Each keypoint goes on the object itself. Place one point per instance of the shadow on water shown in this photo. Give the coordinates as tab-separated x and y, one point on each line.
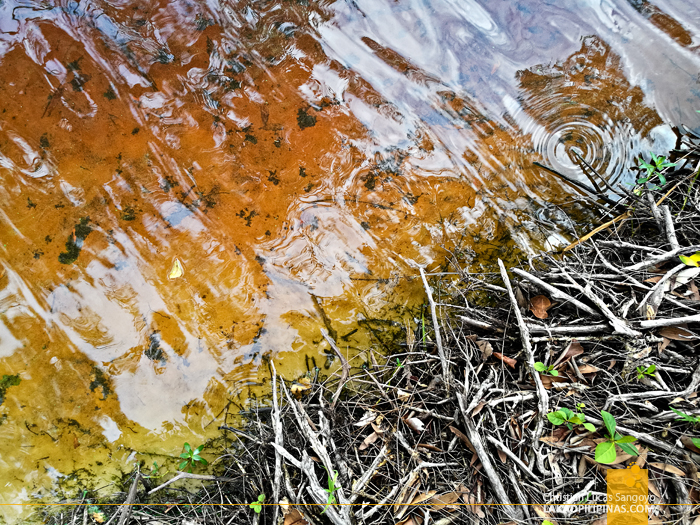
298	161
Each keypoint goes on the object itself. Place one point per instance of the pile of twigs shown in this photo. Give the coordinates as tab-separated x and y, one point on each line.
455	430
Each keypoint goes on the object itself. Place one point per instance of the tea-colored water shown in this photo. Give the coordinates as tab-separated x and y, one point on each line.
299	160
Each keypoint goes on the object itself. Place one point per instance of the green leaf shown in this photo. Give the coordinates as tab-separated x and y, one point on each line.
555	373
626	439
696	441
589	427
203	461
662	179
609	421
183	465
199	449
630	449
687	260
651	369
188	448
547	522
567	413
185	455
576	420
605	452
555	418
539	366
261	498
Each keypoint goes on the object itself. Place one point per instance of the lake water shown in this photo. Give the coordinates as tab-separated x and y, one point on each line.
187	188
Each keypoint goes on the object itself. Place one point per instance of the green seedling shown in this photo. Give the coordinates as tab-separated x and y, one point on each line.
605	452
655	168
686	417
331	490
257	505
192	457
693	260
564	416
645	371
399	366
580	407
154	471
546	370
96	514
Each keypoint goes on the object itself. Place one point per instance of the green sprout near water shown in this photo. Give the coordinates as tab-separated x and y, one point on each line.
192	457
654	169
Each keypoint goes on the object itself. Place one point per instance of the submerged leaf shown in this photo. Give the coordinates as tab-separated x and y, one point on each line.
176	271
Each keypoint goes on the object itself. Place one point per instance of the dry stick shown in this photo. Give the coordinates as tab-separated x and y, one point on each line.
322	453
187	475
485	458
542	397
670	230
657	259
279	441
573	329
436	327
515	458
655	212
623	244
359	486
555	292
657	290
479	324
343	362
618	324
126	506
674	321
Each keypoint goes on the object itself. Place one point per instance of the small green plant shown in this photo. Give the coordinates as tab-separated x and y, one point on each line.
546	370
655	168
605	452
686	417
331	490
580	407
564	416
547	522
645	371
257	505
192	457
399	366
154	471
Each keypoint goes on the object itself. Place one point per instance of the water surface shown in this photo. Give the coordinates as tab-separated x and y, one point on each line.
299	160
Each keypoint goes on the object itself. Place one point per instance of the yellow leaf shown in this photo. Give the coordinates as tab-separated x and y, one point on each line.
177	270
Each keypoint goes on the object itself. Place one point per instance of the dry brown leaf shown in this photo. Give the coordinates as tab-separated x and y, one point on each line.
677	333
574	349
588	369
507	360
663	344
655	491
694	289
294	517
464	438
478	408
654	279
696	521
369	440
429	447
688	443
405	495
612	363
539	306
421	498
665	467
415	424
486	349
444	500
642	458
502	455
410	520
